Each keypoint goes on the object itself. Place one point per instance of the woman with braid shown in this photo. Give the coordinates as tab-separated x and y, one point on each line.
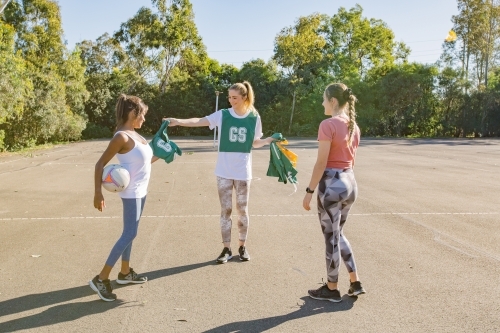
240	130
333	176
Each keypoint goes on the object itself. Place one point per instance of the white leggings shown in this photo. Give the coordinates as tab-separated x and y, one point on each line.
225	188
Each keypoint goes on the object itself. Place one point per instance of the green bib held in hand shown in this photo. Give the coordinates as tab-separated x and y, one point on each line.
163	147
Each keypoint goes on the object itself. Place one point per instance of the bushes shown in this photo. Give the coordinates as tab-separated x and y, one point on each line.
93	131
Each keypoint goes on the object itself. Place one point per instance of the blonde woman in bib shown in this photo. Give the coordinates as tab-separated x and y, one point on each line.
240	130
135	155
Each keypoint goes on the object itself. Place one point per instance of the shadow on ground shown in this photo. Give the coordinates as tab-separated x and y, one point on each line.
310	307
72	311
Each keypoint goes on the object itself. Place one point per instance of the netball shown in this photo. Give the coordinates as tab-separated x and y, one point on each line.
115	178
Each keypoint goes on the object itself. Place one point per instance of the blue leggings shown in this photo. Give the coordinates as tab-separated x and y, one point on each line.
132	211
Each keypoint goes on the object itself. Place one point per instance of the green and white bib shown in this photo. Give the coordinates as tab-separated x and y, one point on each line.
237	134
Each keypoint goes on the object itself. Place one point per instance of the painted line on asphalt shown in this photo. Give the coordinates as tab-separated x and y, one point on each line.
252	215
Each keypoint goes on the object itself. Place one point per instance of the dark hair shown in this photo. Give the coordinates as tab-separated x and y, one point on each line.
344	95
127	104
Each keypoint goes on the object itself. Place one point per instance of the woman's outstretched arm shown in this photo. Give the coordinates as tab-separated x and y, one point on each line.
191	122
262	142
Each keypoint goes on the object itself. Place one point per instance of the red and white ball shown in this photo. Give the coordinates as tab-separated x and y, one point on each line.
115	178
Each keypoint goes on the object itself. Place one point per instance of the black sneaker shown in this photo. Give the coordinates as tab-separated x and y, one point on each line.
103	289
244	256
356	289
225	255
325	294
131	277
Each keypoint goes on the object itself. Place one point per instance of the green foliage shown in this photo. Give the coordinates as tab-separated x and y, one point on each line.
49	93
406	101
299	49
106	76
72	73
158	42
357	46
15	85
93	131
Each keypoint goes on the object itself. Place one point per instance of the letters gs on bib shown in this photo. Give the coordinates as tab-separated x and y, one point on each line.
238	134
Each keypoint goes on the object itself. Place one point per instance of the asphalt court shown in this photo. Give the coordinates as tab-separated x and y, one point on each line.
425	234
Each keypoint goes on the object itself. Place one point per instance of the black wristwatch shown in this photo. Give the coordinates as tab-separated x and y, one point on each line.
308	190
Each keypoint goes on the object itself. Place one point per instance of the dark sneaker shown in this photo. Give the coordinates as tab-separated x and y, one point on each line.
244	256
103	289
356	289
224	256
131	277
325	294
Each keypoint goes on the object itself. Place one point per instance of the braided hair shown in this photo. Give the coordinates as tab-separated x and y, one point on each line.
344	95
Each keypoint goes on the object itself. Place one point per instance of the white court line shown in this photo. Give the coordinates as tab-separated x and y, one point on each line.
252	215
67	163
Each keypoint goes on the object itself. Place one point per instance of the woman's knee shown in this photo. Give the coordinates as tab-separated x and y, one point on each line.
242	211
128	237
226	212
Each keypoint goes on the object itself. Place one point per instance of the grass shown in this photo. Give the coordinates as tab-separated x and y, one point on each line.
32	151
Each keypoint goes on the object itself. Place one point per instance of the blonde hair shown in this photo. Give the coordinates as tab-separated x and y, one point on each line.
344	95
245	89
127	104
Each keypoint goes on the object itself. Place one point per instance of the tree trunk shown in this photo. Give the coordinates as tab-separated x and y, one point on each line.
291	116
490	32
2	6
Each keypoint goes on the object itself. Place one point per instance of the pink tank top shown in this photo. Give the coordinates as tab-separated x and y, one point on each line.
336	130
138	164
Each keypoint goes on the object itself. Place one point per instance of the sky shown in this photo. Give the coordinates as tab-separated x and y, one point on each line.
235	32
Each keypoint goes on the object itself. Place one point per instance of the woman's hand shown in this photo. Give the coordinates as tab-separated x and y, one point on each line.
307	201
173	121
99	203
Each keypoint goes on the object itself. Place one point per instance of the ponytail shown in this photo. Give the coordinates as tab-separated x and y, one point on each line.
120	108
250	95
127	104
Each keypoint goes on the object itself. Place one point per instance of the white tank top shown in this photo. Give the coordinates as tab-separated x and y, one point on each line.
138	164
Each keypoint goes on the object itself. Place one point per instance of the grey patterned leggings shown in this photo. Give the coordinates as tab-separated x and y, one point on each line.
337	191
225	188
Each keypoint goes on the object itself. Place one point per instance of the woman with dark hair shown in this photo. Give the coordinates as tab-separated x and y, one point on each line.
338	138
135	155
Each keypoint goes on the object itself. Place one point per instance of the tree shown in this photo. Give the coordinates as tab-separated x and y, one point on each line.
357	46
105	78
158	42
406	100
450	92
299	50
477	29
264	78
56	110
15	86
